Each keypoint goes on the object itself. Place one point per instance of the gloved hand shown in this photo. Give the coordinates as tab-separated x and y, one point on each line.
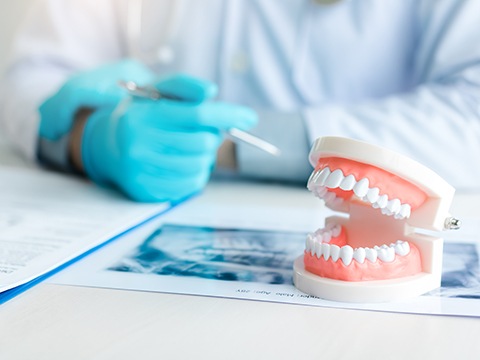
89	89
160	150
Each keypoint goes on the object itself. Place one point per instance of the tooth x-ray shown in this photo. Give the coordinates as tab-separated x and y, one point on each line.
222	254
264	257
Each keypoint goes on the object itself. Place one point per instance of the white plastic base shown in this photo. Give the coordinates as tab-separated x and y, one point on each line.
363	291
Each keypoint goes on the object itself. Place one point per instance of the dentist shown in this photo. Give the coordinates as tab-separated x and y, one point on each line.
404	74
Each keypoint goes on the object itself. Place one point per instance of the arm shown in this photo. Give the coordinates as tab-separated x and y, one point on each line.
436	122
57	39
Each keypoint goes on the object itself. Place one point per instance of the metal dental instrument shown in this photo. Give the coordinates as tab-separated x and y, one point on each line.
149	92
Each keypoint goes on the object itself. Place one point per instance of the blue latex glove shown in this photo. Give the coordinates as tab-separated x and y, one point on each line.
163	150
89	89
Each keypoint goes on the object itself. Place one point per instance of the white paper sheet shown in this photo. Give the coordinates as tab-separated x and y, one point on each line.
247	253
48	219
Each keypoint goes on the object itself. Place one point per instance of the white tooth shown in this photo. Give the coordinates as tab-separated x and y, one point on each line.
334	179
346	254
335	203
373	194
405	211
311	179
359	255
382	201
314	176
318	236
394	206
386	211
329	197
402	248
322	177
309	242
337	229
348	183
327	236
334	252
386	254
371	254
326	251
361	188
320	191
318	249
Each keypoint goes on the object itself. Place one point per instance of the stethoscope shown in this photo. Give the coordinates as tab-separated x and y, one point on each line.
164	53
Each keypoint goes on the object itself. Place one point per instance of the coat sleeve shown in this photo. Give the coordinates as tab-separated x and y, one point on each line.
438	121
56	39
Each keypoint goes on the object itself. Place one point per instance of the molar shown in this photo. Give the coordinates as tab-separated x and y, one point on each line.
381	202
401	248
385	253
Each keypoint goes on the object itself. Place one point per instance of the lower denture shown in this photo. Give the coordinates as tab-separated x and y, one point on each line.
401	266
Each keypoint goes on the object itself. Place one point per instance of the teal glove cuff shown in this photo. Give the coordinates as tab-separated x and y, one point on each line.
54	153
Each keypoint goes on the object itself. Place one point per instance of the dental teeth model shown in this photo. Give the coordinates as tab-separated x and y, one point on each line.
375	254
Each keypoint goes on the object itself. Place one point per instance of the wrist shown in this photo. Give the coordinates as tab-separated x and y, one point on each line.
227	156
75	144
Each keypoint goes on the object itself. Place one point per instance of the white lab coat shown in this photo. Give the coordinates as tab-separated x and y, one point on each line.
404	74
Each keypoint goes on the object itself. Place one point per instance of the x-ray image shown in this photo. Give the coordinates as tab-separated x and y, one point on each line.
461	271
265	257
212	253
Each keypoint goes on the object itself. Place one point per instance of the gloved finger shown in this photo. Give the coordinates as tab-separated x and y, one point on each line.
183	143
188	88
100	86
175	115
166	188
174	165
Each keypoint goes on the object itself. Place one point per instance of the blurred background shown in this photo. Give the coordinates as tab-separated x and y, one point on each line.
11	15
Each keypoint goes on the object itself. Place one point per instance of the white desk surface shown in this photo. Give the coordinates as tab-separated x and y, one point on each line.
66	322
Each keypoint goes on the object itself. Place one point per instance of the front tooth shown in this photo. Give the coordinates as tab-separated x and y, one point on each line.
334	179
371	254
326	251
334	252
312	178
386	254
359	255
373	194
361	188
318	249
346	254
309	242
348	183
322	177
